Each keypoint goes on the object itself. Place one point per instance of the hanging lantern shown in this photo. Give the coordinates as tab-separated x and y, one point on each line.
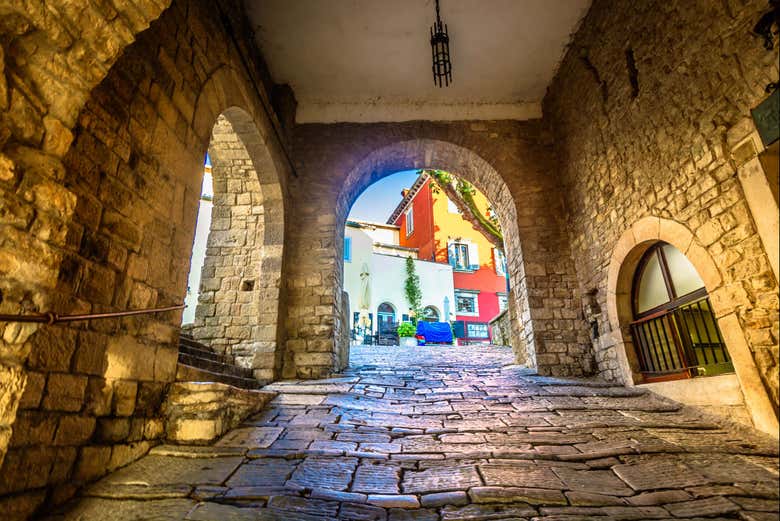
440	48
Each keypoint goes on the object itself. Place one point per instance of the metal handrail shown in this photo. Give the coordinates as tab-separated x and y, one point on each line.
54	318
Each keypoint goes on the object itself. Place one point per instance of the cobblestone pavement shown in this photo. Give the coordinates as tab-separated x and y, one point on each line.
452	434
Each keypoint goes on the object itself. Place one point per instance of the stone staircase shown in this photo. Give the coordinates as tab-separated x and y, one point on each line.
199	363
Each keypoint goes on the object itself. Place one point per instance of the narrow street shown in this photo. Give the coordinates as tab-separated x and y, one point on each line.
443	433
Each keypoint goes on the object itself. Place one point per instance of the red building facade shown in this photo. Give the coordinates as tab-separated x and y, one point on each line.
430	222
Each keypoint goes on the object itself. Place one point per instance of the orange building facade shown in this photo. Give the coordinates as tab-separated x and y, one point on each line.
430	222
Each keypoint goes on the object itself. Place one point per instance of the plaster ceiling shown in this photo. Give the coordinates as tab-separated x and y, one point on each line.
370	60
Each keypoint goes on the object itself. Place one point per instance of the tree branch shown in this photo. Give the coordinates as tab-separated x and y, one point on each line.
463	199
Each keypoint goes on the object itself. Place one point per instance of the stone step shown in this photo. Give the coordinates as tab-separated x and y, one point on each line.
214	366
199	362
207	355
188	341
187	373
199	412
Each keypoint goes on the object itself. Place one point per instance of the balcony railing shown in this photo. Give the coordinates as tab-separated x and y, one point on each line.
684	341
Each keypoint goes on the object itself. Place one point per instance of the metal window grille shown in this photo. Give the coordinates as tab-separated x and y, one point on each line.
685	339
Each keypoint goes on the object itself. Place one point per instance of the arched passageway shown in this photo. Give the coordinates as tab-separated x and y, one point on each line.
238	297
509	162
465	164
109	227
120	215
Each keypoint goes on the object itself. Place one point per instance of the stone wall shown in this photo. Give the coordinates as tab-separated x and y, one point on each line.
228	316
111	228
511	162
500	329
507	329
641	109
47	50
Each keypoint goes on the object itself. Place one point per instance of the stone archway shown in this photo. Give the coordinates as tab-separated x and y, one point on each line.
238	301
468	165
118	238
624	261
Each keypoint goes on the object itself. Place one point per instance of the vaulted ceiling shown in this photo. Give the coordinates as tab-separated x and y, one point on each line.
370	60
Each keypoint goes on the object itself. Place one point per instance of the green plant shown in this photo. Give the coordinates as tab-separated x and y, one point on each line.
406	329
412	290
462	193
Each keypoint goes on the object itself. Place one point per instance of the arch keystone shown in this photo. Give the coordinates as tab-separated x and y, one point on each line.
647	228
675	233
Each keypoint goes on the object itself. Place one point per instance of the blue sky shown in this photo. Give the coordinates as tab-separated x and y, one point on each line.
380	199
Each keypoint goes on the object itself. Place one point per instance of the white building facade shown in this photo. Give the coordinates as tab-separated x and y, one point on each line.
374	277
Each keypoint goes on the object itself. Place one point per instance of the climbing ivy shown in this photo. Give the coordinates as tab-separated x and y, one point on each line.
413	291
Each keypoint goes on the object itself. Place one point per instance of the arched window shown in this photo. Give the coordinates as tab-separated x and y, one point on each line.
384	307
385	315
674	329
430	314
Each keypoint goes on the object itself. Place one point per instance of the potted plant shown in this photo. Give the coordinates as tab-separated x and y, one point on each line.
406	332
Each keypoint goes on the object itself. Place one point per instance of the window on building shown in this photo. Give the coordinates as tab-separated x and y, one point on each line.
460	256
347	249
466	303
674	328
430	314
385	315
409	221
500	262
503	301
476	330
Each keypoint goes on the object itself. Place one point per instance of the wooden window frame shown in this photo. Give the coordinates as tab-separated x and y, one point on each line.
455	246
409	215
675	300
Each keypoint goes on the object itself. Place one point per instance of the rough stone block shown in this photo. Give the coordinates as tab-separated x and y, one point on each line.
74	430
52	348
198	413
33	428
124	397
112	430
129	359
64	392
90	356
92	462
33	390
98	396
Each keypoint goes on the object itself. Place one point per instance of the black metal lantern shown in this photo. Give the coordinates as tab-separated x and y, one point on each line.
440	48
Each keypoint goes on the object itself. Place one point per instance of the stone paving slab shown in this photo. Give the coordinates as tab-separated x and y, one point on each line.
271	472
162	470
217	511
452	434
323	472
128	510
250	437
376	479
441	479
